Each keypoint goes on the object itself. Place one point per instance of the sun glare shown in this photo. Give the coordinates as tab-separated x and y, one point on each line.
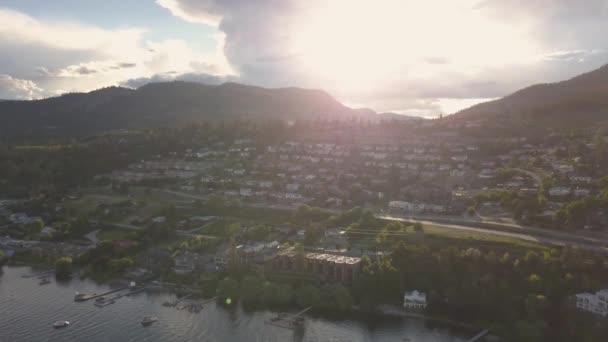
356	44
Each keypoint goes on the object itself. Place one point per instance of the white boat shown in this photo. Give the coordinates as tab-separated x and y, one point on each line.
61	324
148	320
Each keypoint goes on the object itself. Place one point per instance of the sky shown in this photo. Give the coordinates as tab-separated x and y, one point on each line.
418	57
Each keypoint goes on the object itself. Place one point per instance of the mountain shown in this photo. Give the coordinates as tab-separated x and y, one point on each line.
164	104
579	102
399	117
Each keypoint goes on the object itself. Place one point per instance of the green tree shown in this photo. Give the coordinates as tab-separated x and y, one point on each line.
228	288
252	290
119	266
308	296
63	266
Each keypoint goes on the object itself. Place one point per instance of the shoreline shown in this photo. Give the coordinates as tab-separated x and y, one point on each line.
382	310
392	310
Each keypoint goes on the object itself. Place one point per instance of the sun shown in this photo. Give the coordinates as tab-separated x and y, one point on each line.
361	44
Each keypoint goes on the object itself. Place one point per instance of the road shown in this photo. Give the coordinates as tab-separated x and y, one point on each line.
532	234
522	236
117	225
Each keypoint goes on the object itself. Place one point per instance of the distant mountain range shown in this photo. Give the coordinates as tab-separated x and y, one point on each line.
578	102
165	104
399	117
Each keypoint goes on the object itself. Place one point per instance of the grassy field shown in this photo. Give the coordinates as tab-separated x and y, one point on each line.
442	237
474	236
113	234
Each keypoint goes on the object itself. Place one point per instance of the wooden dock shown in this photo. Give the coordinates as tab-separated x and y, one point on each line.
479	336
113	299
81	297
289	321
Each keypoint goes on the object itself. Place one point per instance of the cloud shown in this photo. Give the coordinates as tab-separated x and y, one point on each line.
427	55
14	88
173	76
202	12
90	68
74	56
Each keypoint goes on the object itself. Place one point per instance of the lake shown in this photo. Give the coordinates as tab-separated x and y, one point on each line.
28	310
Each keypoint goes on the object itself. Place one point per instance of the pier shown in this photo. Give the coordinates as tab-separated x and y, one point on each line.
44	273
479	336
289	321
83	297
113	299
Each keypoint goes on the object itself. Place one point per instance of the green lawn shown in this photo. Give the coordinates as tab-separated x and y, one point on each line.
478	236
113	234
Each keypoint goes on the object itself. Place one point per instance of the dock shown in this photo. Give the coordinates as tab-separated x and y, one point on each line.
479	336
38	274
289	321
113	299
208	300
177	301
82	297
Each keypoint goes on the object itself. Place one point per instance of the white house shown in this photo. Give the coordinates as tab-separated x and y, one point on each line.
559	191
414	300
595	303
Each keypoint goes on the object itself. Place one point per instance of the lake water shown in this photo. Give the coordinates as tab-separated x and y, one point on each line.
28	310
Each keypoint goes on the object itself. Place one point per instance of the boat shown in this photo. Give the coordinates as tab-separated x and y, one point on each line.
81	297
102	303
407	339
45	281
181	307
148	320
100	299
61	324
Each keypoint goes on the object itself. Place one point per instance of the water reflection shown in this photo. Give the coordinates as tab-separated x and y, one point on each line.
29	309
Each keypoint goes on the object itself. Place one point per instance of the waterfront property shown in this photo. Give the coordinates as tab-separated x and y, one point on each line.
596	303
414	300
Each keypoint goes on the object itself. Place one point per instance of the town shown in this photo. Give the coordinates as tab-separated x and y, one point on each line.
306	213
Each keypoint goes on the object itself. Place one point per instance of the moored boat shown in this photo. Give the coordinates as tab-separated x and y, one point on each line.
148	320
61	324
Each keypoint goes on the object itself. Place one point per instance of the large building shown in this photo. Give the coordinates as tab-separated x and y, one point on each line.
414	300
595	303
328	267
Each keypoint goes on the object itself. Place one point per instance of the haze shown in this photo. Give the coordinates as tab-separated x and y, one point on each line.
415	57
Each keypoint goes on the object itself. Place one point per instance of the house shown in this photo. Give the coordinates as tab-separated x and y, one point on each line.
414	300
293	187
47	232
159	219
594	303
581	192
123	244
559	191
22	218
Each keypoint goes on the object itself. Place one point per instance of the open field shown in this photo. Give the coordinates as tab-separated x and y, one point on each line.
475	236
